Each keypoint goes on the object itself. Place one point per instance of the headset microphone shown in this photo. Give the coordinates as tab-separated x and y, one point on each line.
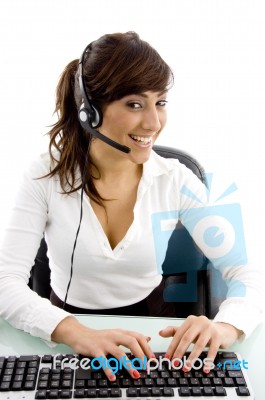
90	116
84	120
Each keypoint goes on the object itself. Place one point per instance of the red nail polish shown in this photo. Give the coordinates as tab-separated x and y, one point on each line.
206	371
184	369
176	363
167	356
153	356
136	374
112	377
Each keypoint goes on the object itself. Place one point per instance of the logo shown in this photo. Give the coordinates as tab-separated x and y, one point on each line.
116	365
215	226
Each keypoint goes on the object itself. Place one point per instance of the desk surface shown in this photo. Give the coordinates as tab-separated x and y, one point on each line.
13	341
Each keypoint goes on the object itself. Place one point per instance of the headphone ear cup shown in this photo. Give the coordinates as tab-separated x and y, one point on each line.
97	118
90	118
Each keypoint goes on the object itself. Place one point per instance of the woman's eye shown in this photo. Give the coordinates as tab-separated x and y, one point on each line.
162	103
134	105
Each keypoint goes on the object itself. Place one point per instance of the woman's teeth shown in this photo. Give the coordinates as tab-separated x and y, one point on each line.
141	139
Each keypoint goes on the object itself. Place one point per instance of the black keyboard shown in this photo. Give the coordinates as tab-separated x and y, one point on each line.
40	377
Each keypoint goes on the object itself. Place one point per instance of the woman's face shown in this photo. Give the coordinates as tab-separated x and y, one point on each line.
135	121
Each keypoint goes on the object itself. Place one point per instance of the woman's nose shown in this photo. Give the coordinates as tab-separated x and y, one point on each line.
151	120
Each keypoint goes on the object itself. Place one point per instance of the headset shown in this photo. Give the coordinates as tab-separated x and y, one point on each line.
90	116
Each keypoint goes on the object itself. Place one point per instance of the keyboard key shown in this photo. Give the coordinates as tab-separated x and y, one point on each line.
115	392
168	392
240	382
66	384
17	378
7	378
126	382
184	391
65	394
80	384
160	382
29	385
5	386
183	382
80	394
172	382
41	394
29	358
103	393
220	391
91	383
217	382
207	391
91	393
144	392
206	382
155	391
242	391
194	382
220	374
196	391
43	385
53	394
229	382
55	385
227	354
10	364
16	386
47	358
131	392
235	374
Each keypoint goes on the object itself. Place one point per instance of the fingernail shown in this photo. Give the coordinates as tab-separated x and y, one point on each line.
176	363
112	377
153	356
206	371
167	356
136	374
148	338
185	369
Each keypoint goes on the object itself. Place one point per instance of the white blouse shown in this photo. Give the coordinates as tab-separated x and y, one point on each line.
104	277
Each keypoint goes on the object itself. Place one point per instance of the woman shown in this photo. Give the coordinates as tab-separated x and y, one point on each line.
107	262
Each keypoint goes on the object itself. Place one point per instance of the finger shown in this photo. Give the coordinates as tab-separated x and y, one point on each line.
211	355
121	359
138	345
199	346
185	341
168	332
180	332
109	372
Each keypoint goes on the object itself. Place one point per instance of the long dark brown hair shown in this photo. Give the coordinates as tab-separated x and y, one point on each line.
116	65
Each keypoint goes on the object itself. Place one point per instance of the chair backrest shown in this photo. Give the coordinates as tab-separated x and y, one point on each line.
187	272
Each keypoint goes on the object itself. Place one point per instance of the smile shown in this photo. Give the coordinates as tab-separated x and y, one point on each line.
141	139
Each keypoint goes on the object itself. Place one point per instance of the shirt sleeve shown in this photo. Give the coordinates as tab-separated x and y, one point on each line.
216	226
19	305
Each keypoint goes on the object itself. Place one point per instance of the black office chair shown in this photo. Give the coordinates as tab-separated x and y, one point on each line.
188	273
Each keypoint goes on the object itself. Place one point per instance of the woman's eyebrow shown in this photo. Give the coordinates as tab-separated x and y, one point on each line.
145	95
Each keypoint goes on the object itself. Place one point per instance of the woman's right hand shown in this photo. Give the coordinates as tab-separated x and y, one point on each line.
96	343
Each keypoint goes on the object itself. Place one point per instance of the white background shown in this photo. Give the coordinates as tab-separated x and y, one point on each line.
216	110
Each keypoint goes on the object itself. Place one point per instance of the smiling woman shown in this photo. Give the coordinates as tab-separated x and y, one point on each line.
94	195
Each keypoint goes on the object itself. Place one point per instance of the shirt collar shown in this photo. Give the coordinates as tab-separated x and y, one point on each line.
157	165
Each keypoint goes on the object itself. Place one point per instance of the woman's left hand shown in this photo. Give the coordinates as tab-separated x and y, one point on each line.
202	332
